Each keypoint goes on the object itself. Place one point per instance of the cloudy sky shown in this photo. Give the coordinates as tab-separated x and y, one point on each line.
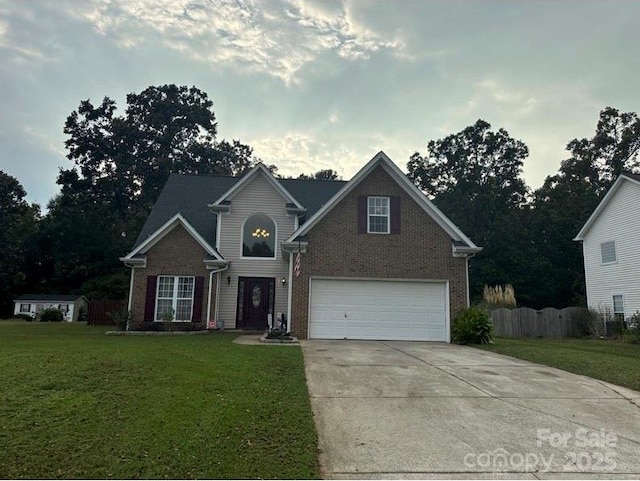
325	83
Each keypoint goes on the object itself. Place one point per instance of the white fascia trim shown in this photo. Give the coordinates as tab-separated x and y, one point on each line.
216	264
135	262
392	169
295	246
603	203
460	251
164	230
228	195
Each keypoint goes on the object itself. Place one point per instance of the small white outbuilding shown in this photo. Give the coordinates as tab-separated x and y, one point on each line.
69	304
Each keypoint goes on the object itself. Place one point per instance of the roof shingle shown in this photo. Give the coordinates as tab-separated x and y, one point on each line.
190	196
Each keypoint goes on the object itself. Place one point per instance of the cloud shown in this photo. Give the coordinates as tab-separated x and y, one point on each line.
297	152
493	95
278	39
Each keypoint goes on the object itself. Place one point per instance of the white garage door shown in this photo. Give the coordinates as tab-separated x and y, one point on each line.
371	309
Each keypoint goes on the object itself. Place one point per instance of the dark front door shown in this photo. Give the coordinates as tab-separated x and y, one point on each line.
255	302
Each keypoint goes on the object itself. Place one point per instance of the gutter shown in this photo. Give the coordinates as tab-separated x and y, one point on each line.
211	273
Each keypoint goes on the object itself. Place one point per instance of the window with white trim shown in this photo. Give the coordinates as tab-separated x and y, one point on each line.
259	237
608	252
378	215
174	298
25	308
618	308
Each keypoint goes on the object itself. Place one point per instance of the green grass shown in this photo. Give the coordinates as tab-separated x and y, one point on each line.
75	403
611	361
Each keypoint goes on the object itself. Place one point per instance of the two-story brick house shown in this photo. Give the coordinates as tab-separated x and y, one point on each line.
371	258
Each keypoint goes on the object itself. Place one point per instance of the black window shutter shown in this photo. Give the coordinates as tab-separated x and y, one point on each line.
150	299
395	215
362	215
197	299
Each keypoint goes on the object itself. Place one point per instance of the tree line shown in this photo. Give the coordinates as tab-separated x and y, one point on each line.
121	162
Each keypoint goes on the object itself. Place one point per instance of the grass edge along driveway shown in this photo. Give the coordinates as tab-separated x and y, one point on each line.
76	403
607	360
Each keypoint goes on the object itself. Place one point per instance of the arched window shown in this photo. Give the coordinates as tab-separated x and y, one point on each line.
259	237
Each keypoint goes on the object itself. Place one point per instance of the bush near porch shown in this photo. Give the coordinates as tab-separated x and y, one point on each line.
78	404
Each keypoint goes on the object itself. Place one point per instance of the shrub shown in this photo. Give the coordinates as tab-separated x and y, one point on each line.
24	317
632	333
588	323
473	326
120	318
83	315
51	314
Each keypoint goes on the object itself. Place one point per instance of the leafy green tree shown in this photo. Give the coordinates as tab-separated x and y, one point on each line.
121	164
326	174
79	243
124	161
474	177
18	222
566	200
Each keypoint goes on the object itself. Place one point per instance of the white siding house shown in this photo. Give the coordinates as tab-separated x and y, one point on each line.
611	247
33	304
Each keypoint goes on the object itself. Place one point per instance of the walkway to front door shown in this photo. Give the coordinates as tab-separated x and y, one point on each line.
256	296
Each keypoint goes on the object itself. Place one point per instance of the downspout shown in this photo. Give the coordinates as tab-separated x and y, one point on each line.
133	271
211	273
289	291
467	257
466	263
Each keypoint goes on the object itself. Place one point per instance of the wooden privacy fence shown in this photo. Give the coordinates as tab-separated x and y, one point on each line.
526	322
98	311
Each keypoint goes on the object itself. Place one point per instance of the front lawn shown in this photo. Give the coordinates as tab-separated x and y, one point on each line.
75	403
611	361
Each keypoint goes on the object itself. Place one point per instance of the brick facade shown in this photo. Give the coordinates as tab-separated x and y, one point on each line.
176	254
422	250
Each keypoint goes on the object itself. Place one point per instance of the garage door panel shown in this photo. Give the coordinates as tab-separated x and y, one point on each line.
366	309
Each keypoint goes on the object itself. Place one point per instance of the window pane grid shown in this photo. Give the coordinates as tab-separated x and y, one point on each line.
175	298
608	252
185	287
183	310
165	309
378	211
378	206
618	305
165	287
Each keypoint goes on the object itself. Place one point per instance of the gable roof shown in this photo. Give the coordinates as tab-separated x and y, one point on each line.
168	226
381	159
49	297
191	195
625	177
257	170
188	195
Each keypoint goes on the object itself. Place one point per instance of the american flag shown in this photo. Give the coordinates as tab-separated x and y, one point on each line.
296	265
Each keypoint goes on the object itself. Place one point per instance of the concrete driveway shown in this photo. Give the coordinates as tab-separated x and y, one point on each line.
412	410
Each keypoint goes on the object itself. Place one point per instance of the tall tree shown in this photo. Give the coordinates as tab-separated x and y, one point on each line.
326	174
474	177
121	164
566	200
18	222
125	160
